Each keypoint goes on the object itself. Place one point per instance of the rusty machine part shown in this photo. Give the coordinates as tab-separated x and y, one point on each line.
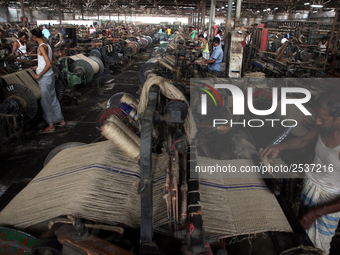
18	105
76	242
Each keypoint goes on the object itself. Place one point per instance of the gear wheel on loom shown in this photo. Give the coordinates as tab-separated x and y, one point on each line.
95	53
149	39
118	47
83	67
144	42
100	63
145	70
107	113
59	89
24	96
131	48
56	72
137	45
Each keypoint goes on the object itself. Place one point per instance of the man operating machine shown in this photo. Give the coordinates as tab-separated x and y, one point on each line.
320	195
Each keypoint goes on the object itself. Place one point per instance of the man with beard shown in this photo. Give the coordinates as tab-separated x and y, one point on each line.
320	199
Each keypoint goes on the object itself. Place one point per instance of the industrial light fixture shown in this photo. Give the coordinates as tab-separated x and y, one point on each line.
306	3
316	6
315	11
276	8
265	10
268	9
226	6
257	11
222	7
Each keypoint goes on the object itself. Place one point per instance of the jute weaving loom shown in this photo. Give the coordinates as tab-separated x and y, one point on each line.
98	182
93	64
24	78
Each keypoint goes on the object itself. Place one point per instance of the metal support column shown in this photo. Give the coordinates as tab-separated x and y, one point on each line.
7	12
82	12
238	12
227	30
192	18
211	18
22	9
30	15
60	13
199	16
195	19
204	3
230	7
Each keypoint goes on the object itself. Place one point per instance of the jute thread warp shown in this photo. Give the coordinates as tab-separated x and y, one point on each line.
129	101
122	140
124	128
98	182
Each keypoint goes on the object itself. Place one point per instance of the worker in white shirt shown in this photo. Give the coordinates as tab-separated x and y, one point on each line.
92	29
322	46
284	39
20	46
205	34
219	33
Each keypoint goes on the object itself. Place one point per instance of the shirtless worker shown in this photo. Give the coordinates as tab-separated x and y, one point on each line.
45	77
320	199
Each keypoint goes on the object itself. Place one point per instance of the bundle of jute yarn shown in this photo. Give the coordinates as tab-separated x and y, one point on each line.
170	91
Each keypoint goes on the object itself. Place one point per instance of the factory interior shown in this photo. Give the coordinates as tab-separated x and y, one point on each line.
103	125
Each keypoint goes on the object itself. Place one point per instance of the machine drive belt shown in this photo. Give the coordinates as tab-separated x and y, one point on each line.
145	189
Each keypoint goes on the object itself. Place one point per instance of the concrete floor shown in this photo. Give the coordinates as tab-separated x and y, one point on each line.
23	159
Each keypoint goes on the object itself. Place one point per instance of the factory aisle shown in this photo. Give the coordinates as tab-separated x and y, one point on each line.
24	159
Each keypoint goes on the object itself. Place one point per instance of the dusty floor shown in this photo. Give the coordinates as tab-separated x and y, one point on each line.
23	159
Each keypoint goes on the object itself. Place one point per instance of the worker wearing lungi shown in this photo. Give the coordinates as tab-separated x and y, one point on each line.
320	200
45	77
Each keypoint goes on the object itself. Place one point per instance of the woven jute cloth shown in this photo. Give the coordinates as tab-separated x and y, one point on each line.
96	182
99	182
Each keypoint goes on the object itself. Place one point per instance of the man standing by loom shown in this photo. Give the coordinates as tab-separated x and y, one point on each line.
45	77
320	198
216	57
